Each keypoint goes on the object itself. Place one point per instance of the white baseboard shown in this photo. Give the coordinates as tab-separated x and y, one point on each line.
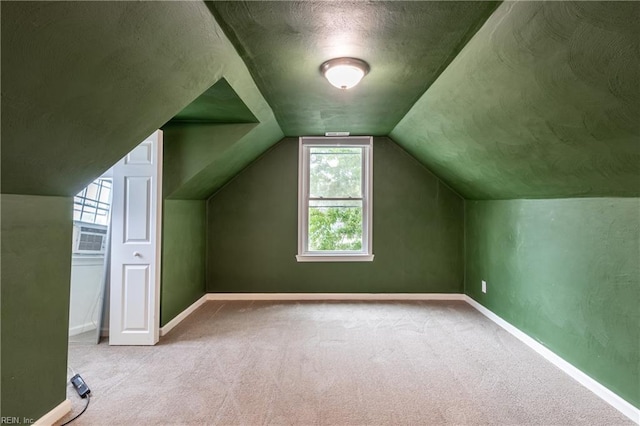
180	317
54	415
305	296
335	296
79	329
608	396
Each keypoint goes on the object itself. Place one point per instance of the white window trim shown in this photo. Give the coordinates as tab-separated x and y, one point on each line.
366	255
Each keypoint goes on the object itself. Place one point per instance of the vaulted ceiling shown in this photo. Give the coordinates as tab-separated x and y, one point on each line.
84	82
542	102
501	100
407	45
517	100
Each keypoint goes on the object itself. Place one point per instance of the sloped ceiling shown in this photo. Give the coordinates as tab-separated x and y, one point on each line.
210	141
542	101
407	45
218	104
84	82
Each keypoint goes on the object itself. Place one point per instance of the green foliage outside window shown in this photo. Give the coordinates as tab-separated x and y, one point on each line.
335	228
335	225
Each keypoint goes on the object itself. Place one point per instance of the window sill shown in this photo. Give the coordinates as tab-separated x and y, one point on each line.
334	258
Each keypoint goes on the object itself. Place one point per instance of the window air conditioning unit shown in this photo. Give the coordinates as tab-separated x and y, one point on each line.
89	238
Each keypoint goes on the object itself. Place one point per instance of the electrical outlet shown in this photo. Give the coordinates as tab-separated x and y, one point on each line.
484	286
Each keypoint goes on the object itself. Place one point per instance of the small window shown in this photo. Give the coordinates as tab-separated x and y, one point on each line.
335	183
92	204
91	207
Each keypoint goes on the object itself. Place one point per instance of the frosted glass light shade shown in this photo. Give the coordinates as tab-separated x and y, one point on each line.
344	73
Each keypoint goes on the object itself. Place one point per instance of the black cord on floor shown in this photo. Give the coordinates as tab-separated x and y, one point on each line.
81	412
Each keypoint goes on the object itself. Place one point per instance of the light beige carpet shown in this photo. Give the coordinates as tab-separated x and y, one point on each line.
332	363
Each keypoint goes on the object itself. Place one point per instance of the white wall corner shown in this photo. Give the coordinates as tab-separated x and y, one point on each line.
604	393
54	415
182	315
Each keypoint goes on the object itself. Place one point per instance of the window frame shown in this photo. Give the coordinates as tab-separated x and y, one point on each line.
307	142
82	201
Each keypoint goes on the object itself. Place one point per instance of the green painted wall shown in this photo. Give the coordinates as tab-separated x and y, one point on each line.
190	148
218	141
35	302
565	272
543	102
183	256
227	163
417	231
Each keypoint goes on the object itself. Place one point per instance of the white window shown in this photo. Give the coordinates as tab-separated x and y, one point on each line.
335	192
92	204
91	217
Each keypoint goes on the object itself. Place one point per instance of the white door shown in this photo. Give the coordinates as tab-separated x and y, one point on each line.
135	245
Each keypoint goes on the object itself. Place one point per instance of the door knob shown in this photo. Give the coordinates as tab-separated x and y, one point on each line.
137	254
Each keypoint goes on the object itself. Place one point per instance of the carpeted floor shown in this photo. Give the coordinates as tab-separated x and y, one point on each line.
332	363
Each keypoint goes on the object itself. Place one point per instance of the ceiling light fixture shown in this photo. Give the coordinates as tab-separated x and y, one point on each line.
344	73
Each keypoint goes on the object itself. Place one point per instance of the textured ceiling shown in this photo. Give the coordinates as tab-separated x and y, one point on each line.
84	82
516	100
526	100
218	104
407	45
543	102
